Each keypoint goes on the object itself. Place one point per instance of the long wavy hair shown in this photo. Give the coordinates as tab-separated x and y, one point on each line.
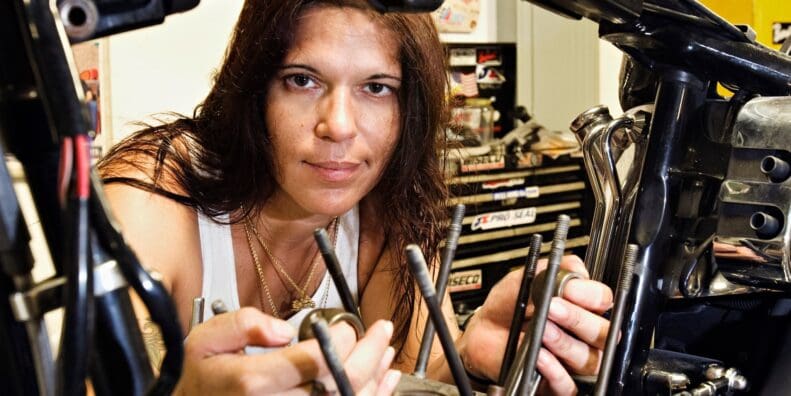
221	158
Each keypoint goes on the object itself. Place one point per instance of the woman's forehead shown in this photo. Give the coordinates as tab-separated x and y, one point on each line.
327	34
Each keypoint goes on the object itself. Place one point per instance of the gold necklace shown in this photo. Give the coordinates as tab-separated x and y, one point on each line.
260	271
303	301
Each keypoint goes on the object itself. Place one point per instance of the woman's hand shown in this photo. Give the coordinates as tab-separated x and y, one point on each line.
214	362
573	338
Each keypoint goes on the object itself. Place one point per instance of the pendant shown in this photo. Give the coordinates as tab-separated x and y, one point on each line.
302	303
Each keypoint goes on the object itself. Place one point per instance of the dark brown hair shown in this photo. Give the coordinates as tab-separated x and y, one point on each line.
221	158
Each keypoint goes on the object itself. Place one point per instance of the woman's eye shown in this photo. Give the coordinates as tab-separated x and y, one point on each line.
301	81
378	89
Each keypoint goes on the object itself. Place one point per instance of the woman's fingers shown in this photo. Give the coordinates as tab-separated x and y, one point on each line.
556	378
389	383
296	364
231	332
591	295
370	354
585	325
578	356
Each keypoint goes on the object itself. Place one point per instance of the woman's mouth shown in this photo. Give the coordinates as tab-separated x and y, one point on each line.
334	171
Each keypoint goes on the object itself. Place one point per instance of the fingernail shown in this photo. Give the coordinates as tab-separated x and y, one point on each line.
543	359
392	378
551	333
283	329
558	310
390	352
388	328
388	356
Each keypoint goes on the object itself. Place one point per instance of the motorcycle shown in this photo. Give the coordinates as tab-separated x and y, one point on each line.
703	197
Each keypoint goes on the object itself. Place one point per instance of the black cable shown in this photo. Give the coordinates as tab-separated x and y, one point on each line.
679	16
151	292
78	317
732	30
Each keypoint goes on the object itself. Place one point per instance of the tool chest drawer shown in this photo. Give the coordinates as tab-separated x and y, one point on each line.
504	207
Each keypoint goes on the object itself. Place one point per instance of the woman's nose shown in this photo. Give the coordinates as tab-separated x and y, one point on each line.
336	121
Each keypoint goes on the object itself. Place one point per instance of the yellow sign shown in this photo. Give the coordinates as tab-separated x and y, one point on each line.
771	19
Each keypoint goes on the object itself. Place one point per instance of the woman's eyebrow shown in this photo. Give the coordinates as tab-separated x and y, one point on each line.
299	66
375	76
384	75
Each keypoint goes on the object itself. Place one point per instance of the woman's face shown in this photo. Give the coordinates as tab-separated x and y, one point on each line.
332	110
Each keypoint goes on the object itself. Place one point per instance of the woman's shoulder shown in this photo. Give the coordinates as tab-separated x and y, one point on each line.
161	231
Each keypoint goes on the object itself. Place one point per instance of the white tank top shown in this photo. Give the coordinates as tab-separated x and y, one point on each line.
219	270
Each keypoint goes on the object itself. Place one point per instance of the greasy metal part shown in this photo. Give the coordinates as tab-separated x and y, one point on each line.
603	141
322	334
591	118
523	377
611	187
495	390
331	316
630	185
714	371
755	196
198	308
334	268
775	168
587	137
27	309
417	264
38	300
107	278
218	307
616	319
409	385
736	381
764	224
529	272
679	97
719	382
446	261
672	381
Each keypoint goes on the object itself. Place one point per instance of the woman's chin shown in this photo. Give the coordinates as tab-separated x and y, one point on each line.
329	206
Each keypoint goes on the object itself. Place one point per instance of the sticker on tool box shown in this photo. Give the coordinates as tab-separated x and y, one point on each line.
781	31
527	192
465	280
506	218
494	184
462	57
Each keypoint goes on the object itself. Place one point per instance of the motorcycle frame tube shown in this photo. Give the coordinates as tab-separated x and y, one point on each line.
679	97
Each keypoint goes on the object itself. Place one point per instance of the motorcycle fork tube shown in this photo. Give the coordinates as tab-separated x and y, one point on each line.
679	98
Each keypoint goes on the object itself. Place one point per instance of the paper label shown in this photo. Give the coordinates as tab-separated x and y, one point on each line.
506	218
527	192
465	280
495	184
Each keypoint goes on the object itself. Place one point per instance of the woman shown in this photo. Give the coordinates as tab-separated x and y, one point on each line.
324	114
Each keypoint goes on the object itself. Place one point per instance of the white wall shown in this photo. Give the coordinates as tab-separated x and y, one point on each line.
609	70
558	65
167	67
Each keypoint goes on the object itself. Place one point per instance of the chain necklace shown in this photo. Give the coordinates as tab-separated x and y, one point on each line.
260	271
303	301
